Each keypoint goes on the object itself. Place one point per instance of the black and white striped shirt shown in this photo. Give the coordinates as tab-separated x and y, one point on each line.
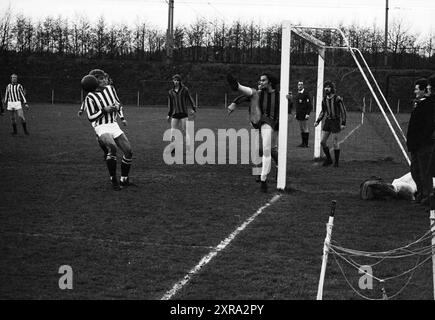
95	102
15	93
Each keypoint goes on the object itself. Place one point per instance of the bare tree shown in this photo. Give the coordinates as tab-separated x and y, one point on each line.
139	37
5	29
179	41
99	37
196	37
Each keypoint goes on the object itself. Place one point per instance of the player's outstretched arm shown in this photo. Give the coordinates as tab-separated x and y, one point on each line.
231	108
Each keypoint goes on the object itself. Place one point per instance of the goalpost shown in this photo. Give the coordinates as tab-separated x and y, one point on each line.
287	32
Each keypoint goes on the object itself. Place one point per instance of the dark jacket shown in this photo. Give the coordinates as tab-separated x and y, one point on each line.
302	104
421	124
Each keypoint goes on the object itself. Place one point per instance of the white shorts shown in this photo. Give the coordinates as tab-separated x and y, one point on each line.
14	105
111	128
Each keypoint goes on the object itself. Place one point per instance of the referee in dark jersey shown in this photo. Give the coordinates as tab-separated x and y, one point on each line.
335	113
302	103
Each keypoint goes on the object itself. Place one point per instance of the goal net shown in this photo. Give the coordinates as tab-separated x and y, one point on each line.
373	132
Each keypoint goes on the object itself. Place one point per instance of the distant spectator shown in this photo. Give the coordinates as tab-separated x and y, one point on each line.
419	140
431	97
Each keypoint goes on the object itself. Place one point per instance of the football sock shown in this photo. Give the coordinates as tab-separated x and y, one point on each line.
25	127
337	157
111	166
14	127
274	154
172	144
306	138
327	154
125	168
267	160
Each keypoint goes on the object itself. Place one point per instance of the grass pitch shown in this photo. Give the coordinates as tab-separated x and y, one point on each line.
57	208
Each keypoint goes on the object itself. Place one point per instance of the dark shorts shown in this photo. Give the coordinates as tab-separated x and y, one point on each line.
179	115
300	116
256	125
332	125
271	122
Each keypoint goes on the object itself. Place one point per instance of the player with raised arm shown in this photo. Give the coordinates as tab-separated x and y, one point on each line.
102	107
264	115
334	112
178	99
14	100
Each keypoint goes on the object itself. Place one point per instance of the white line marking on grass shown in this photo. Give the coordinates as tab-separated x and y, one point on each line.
221	246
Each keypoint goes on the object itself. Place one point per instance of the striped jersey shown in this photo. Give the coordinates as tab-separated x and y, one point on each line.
96	101
15	93
333	108
269	104
264	106
178	101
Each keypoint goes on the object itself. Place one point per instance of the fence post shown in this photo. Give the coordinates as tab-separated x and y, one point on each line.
52	96
226	100
138	99
398	105
371	99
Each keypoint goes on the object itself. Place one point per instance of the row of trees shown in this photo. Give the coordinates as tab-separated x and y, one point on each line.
201	41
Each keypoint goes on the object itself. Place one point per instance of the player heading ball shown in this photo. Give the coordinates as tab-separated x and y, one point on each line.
103	107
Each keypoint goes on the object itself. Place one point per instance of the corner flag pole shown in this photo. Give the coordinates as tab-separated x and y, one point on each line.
329	226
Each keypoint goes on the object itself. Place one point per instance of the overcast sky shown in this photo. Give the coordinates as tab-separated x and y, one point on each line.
418	15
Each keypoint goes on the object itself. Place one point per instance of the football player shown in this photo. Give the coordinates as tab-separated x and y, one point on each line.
178	99
264	115
14	100
102	106
334	112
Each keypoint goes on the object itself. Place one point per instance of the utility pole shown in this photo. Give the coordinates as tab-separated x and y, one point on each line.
170	32
386	35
